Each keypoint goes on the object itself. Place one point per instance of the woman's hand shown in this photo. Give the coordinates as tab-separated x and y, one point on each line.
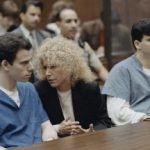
66	127
82	130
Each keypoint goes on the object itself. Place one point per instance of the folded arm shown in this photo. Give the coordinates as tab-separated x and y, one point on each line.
2	148
120	112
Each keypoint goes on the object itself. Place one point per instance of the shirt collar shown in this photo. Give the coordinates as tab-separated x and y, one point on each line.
26	31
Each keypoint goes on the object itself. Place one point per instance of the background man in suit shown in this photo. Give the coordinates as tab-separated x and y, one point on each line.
67	89
30	16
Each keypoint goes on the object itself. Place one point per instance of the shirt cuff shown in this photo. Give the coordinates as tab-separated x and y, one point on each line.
56	127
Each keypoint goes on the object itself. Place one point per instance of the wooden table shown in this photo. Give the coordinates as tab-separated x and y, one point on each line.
128	137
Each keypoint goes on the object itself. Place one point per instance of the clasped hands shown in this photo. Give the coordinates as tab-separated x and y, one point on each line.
68	127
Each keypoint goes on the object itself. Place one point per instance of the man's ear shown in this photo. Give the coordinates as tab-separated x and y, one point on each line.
58	23
137	44
21	16
5	64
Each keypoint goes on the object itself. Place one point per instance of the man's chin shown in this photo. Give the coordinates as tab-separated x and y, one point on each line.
26	79
71	37
35	26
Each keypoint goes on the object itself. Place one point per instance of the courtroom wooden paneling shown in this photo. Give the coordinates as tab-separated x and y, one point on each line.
131	10
88	9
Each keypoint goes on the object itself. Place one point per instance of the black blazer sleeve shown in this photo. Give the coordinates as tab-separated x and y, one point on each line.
93	104
50	101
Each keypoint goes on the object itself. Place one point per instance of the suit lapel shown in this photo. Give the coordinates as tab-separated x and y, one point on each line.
77	103
18	30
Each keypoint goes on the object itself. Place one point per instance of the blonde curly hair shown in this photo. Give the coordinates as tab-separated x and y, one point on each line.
67	55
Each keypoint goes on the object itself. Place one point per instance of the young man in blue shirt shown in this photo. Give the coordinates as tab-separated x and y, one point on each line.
23	120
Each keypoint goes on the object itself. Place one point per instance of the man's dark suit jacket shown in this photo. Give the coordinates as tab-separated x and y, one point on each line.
88	105
41	35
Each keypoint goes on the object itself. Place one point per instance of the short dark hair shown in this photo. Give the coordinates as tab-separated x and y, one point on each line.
57	7
26	4
10	44
139	29
9	8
